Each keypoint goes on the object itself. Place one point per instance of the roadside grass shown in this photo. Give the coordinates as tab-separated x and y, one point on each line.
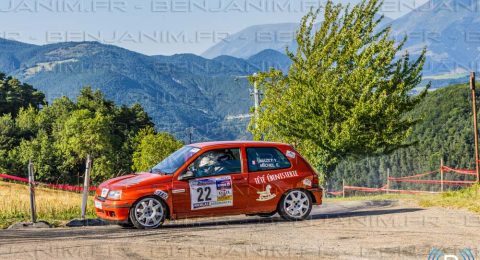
58	207
468	198
391	196
53	206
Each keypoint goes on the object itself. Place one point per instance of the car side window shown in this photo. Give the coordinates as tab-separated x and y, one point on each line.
266	158
217	162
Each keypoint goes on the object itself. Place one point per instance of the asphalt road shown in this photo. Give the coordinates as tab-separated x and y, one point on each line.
341	230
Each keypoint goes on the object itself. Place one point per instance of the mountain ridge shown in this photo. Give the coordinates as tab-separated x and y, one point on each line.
178	91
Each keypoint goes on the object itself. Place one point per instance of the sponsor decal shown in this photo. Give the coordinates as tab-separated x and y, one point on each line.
275	177
307	182
267	163
211	192
266	195
290	154
162	194
104	193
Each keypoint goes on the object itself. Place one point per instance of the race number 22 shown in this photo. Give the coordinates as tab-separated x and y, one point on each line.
211	192
204	190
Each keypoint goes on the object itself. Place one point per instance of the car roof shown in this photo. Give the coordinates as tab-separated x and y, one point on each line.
248	143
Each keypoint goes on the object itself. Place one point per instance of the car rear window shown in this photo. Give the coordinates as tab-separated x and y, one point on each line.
266	158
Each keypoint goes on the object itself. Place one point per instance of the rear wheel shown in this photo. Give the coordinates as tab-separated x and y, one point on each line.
295	205
148	213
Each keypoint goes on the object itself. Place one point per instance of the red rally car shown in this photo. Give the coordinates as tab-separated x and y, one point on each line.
214	179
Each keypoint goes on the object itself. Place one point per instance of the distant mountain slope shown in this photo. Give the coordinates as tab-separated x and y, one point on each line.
178	91
257	38
269	58
449	29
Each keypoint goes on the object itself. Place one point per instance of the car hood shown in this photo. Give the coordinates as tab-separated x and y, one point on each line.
135	180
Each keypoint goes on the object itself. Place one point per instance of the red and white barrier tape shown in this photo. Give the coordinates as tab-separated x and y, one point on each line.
446	182
53	186
460	171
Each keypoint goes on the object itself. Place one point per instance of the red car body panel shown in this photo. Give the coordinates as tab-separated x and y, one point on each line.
247	187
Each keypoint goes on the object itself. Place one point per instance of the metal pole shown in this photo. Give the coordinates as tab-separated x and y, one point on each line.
190	133
256	100
85	186
441	174
343	189
256	96
31	183
388	180
475	129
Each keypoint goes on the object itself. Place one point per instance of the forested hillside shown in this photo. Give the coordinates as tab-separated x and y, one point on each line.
59	136
446	130
178	91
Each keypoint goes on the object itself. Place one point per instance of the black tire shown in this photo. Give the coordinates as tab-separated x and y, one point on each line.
295	205
148	213
126	225
267	215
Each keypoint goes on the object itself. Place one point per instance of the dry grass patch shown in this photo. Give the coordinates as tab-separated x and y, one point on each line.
53	206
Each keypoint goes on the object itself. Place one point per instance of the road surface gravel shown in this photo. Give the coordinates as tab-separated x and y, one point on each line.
336	230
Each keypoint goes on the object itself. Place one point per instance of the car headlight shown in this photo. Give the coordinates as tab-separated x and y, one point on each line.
115	194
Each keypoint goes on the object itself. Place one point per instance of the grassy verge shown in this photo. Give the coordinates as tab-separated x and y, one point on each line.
391	196
53	206
468	198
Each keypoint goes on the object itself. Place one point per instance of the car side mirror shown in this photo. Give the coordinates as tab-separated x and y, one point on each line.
187	175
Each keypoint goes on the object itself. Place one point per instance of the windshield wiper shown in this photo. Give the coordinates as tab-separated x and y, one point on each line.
158	171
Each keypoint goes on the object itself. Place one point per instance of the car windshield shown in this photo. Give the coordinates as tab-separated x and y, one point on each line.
170	164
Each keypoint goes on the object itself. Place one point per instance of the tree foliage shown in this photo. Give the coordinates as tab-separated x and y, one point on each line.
15	95
446	131
58	137
152	148
347	92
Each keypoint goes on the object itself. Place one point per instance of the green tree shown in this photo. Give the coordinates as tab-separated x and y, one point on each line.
446	131
15	95
87	133
40	150
9	139
347	92
153	147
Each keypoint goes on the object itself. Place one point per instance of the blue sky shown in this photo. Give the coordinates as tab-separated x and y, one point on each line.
153	26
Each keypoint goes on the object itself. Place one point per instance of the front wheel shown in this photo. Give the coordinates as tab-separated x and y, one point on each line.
295	205
148	213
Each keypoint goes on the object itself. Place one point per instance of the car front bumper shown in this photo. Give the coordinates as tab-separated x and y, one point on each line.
113	211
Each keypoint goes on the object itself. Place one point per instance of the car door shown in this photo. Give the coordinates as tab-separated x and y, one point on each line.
219	185
270	174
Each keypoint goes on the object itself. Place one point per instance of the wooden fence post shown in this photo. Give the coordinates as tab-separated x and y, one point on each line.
31	184
475	127
325	190
343	188
86	182
388	180
441	174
